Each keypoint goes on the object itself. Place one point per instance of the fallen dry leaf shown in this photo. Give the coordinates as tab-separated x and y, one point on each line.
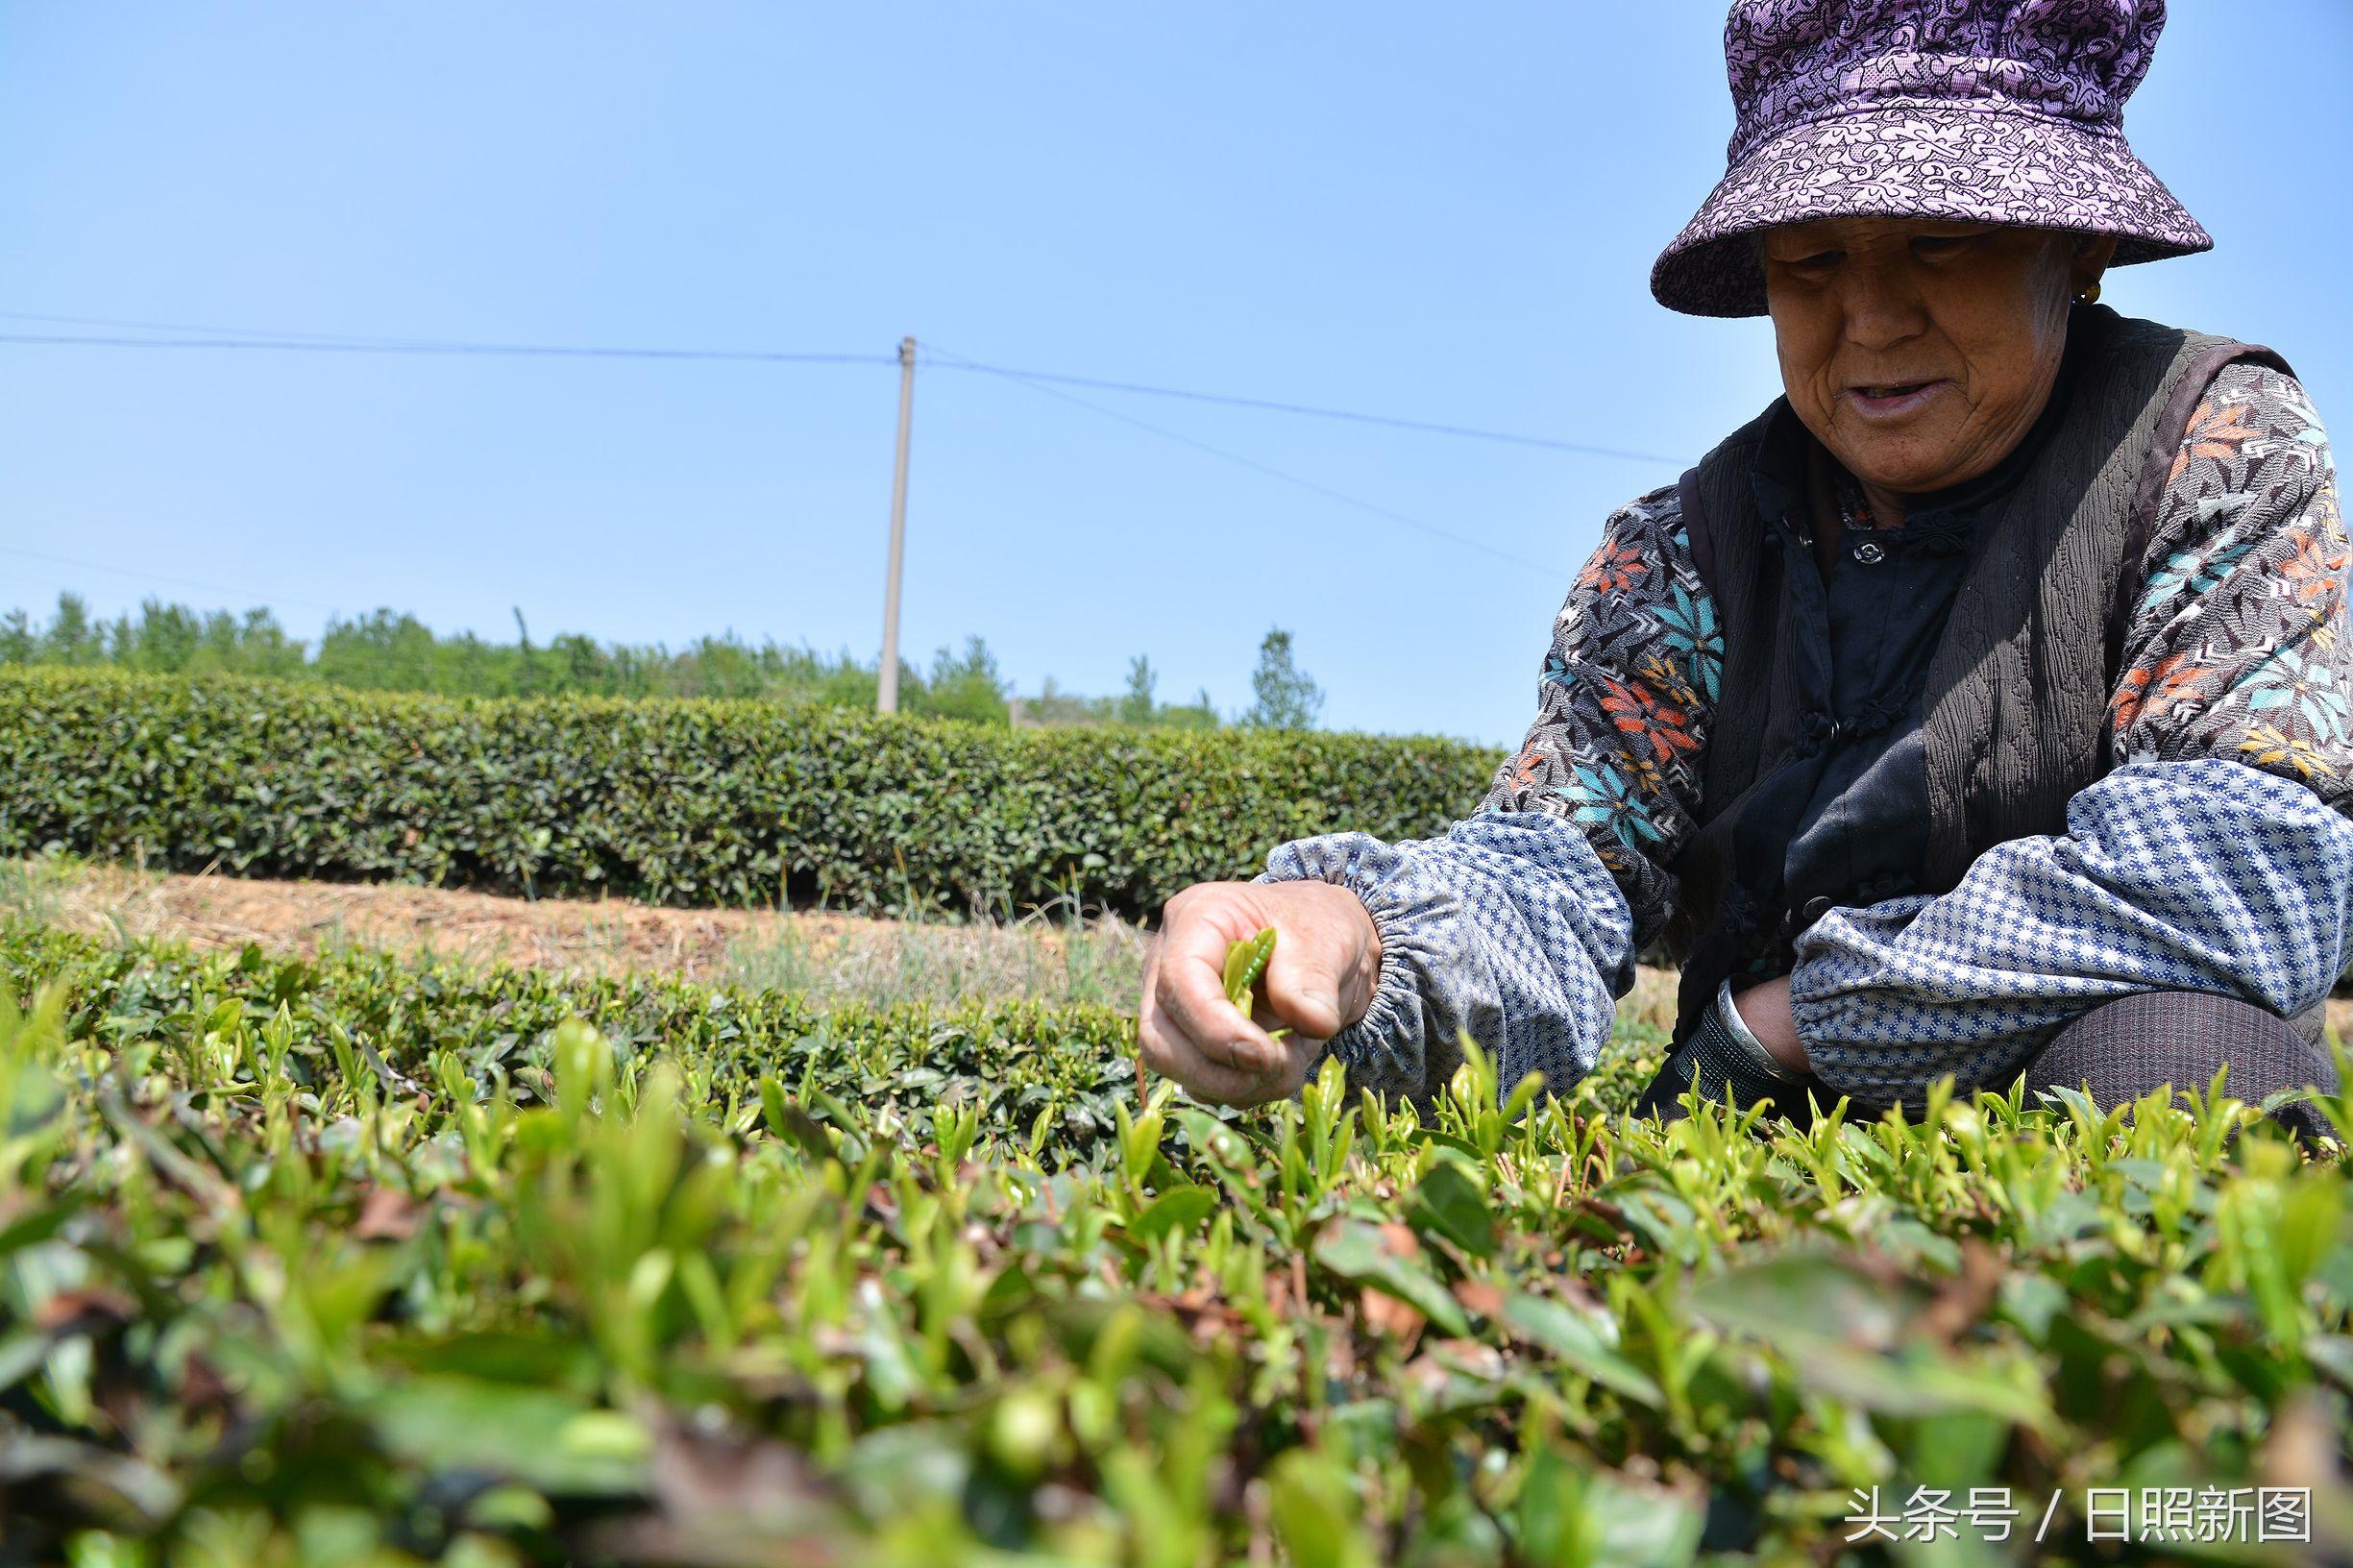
386	1215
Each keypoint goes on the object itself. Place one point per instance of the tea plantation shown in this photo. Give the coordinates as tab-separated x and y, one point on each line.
696	803
353	1262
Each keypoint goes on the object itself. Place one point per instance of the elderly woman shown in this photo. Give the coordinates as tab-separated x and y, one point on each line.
1979	709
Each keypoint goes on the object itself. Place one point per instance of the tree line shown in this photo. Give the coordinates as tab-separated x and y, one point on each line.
389	650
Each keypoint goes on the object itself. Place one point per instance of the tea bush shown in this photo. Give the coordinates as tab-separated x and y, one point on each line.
682	802
349	1263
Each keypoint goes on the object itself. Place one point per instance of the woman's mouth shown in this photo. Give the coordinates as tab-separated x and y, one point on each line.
1892	399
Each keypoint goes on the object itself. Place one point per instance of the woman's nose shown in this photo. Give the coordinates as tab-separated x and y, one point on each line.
1882	308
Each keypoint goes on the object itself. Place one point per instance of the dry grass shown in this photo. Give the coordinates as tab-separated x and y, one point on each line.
831	956
308	917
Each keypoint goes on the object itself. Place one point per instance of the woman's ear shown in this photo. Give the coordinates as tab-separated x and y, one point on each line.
2093	255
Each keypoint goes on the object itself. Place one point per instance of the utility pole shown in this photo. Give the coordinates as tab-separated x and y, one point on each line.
886	700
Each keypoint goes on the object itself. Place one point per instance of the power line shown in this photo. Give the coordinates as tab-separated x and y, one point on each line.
1312	411
1251	463
464	349
1047	383
119	324
209	337
157	578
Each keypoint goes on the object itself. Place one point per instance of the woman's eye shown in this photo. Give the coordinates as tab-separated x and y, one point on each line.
1818	262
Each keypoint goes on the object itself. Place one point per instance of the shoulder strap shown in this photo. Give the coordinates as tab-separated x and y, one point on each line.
1695	526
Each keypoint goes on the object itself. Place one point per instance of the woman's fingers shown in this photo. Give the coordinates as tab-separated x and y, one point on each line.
1188	1029
1187	994
1164	1049
1176	1058
1309	974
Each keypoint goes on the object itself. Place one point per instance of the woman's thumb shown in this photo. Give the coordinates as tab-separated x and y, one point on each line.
1303	988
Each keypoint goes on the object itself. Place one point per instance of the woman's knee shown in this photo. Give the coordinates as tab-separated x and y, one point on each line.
2122	1050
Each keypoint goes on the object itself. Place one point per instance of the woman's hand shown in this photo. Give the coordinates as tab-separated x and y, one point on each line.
1319	981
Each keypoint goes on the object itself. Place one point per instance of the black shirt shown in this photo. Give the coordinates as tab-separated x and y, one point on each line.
1845	820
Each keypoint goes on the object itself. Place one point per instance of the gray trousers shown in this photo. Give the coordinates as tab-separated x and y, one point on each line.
2123	1049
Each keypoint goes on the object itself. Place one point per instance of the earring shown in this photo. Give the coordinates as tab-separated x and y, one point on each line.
2091	295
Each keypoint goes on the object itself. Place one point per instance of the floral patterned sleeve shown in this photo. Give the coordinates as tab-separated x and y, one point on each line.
1623	708
1520	924
2218	856
2237	639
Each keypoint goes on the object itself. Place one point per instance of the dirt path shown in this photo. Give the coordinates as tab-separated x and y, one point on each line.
601	936
834	955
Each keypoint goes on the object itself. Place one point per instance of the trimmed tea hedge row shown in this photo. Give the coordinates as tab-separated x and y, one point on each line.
345	1262
682	802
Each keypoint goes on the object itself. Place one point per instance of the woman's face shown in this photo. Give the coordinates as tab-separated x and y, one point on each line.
1920	353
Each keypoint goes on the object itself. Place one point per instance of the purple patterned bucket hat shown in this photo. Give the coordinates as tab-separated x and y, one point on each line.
1977	110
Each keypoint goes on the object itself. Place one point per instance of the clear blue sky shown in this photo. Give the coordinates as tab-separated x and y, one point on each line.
1442	212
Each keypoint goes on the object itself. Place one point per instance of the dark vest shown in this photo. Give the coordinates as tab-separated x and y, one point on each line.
2015	713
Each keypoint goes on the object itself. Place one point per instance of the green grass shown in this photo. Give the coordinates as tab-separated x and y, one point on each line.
354	1261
